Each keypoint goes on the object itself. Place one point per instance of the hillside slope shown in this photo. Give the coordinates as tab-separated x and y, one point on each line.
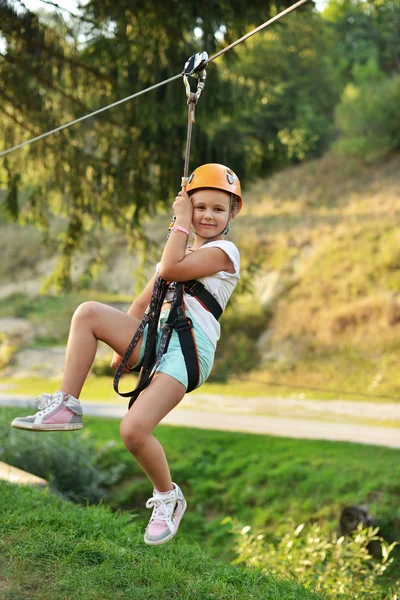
330	274
53	549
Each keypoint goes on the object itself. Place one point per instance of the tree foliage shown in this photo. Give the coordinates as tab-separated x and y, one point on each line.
268	102
112	170
365	29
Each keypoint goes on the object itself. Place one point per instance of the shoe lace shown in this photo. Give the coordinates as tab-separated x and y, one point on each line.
44	400
163	509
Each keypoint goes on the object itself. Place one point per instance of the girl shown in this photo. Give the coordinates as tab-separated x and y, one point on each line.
210	203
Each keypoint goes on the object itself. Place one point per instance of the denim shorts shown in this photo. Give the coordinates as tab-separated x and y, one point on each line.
173	362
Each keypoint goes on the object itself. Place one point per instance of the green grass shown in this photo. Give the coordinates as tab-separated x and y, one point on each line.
51	549
258	479
261	479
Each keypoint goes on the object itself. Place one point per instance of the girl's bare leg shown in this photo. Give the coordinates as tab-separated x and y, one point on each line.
93	321
153	404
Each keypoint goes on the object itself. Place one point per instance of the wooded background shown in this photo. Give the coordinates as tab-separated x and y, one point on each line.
313	80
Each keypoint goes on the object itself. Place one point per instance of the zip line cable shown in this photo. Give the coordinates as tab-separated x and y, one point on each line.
96	112
153	87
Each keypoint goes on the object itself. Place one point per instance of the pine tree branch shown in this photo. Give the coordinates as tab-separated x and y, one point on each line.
14	118
79	17
16	31
50	85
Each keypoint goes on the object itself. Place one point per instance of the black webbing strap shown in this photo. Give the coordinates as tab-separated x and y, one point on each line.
196	288
183	325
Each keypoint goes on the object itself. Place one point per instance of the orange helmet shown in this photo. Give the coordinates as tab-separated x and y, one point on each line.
215	176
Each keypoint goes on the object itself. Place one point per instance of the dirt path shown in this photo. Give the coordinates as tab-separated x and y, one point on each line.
297	427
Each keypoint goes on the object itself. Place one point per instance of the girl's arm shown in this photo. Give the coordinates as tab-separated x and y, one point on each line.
139	305
175	265
197	264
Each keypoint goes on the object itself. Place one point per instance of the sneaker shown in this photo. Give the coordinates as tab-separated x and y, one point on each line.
169	508
57	412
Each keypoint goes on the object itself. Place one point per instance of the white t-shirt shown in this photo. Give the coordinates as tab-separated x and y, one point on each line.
220	285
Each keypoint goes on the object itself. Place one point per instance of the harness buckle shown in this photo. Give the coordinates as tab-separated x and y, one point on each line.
193	288
182	323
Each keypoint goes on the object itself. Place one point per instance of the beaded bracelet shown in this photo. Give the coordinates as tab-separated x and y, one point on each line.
180	228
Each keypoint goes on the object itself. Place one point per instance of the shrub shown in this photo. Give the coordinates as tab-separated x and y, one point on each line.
237	349
340	567
71	463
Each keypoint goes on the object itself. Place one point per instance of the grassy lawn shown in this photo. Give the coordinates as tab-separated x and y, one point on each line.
257	479
51	550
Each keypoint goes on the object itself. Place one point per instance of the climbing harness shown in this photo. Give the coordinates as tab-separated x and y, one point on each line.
178	321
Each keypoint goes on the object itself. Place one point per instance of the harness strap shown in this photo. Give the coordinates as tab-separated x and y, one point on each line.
196	288
183	325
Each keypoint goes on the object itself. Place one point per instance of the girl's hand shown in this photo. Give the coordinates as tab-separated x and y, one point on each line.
116	361
183	207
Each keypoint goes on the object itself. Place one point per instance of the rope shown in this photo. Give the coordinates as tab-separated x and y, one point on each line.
153	87
191	117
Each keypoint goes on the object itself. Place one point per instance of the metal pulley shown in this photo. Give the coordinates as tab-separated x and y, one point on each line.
195	67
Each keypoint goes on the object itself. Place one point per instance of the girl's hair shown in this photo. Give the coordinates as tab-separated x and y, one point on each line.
234	202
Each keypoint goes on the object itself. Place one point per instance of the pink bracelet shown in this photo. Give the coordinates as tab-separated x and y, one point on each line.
179	228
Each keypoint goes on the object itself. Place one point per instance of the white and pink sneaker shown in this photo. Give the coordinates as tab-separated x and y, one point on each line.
169	508
57	412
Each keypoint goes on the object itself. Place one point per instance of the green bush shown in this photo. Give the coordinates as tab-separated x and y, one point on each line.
102	366
339	567
69	463
237	349
367	117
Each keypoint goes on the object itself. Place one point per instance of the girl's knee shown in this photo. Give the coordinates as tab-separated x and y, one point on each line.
133	434
87	310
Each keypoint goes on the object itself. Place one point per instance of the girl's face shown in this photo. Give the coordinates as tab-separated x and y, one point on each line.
210	212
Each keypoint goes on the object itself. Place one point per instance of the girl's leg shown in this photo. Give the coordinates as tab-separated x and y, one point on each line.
93	321
153	404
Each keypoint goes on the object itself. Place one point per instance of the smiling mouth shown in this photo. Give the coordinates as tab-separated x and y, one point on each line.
207	225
